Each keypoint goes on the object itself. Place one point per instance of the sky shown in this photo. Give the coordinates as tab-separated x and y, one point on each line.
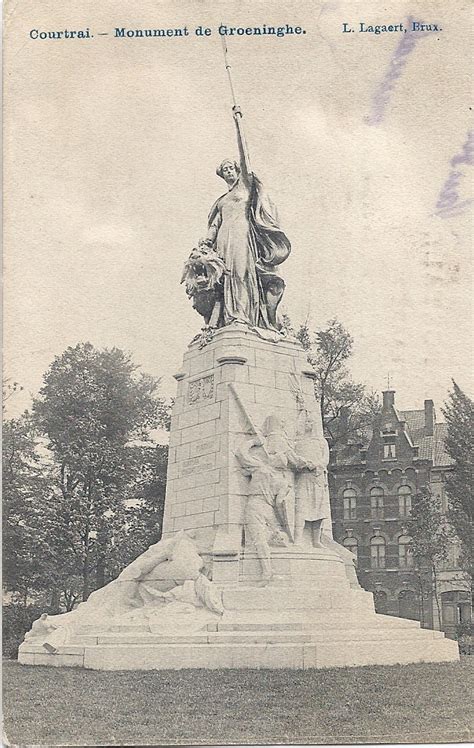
111	147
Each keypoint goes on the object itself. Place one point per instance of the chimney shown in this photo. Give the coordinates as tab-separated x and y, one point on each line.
388	399
430	417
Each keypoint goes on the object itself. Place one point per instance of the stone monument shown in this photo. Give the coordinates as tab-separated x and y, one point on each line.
247	574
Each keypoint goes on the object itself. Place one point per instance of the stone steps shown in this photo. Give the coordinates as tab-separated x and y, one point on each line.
268	635
301	655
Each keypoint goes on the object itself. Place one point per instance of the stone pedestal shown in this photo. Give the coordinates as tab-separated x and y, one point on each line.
237	373
313	613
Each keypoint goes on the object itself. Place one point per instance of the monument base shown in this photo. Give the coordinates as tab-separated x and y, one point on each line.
308	616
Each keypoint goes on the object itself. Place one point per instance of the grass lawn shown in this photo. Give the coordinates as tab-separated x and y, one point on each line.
407	703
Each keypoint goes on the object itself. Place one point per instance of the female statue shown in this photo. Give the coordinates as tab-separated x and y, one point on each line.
243	231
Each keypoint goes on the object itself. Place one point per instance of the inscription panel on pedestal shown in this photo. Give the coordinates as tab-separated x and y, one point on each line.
204	446
197	465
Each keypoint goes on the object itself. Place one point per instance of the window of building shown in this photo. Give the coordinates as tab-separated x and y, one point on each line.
408	605
376	502
377	552
381	602
405	556
350	503
389	452
404	501
351	544
456	607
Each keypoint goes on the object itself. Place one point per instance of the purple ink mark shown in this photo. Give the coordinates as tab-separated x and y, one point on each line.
448	203
397	63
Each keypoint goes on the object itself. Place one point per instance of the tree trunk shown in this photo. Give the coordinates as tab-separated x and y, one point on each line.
55	601
436	596
100	573
86	571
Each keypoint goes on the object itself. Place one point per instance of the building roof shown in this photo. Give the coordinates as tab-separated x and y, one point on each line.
440	455
430	447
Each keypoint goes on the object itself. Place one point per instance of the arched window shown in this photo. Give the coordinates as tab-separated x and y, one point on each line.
381	601
376	502
351	544
408	605
404	501
377	552
405	556
350	503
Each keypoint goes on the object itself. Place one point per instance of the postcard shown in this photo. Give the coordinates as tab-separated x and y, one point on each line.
237	371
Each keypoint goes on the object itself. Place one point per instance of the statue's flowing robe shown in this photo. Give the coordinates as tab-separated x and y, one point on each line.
244	229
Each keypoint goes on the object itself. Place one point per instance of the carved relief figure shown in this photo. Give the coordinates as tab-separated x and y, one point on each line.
268	489
270	460
311	490
164	583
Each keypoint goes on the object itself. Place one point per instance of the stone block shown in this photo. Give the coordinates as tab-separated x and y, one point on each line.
235	373
171	455
194	520
178	510
222	515
197	492
265	359
210	505
274	656
188	481
307	385
202	362
283	381
231	509
200	431
267	396
174	423
183	451
208	413
194	507
207	478
59	660
178	406
189	418
173	470
246	392
175	438
283	362
264	377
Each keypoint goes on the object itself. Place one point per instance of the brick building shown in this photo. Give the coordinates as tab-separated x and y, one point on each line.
372	481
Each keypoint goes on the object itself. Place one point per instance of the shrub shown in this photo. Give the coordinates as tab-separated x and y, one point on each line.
464	636
17	620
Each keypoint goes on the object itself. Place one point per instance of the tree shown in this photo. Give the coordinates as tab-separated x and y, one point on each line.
346	407
97	412
431	539
459	443
24	488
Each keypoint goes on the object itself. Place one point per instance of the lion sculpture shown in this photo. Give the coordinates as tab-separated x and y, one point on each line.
203	275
